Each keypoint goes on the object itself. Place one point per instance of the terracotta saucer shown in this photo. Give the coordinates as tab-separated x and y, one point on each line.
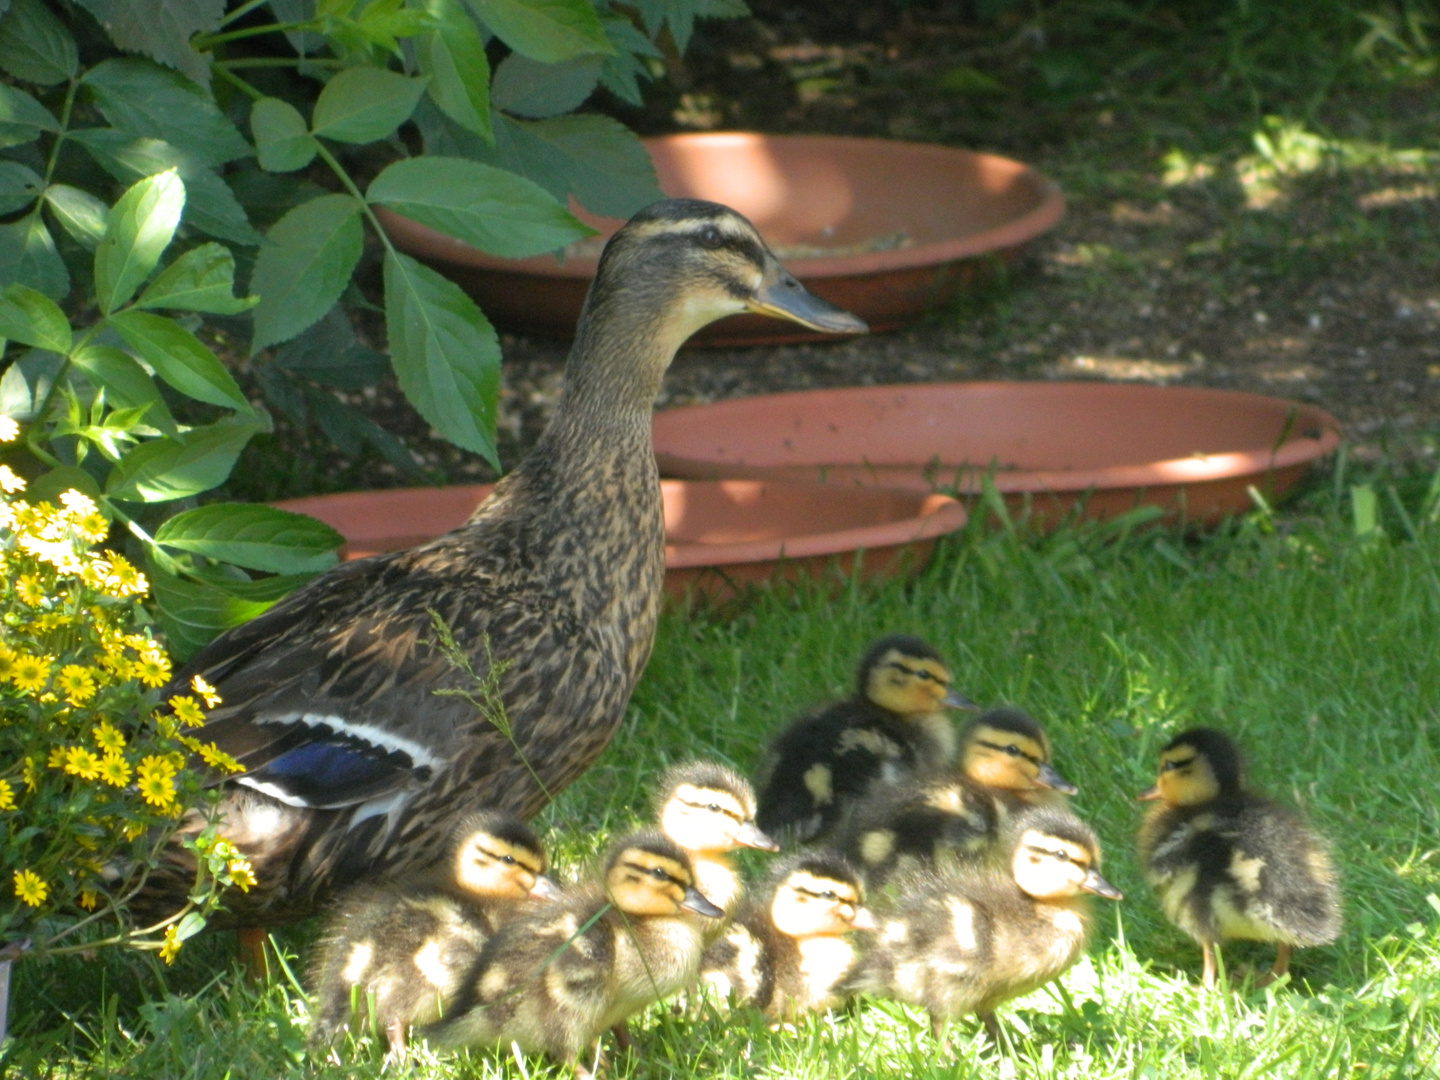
1193	452
884	229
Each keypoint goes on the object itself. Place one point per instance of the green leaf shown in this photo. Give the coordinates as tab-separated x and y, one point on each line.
445	354
35	46
210	205
19	186
486	207
180	358
595	158
148	101
550	31
80	214
126	383
305	267
527	87
141	227
33	319
48	487
254	536
179	466
203	279
363	104
160	29
282	141
329	353
350	431
622	72
22	118
28	255
453	55
193	613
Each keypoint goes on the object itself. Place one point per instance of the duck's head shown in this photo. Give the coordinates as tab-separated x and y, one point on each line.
819	895
708	807
1196	766
497	856
906	676
647	873
1056	855
1007	749
680	264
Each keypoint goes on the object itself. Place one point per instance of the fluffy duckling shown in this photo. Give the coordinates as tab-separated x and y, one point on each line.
709	810
1228	863
1004	766
556	976
891	729
408	945
959	941
787	952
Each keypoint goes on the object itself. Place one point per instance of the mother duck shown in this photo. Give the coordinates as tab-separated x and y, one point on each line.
354	764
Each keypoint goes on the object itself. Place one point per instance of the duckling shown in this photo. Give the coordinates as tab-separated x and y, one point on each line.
556	976
409	944
1004	766
891	729
553	586
962	940
1229	863
709	810
787	951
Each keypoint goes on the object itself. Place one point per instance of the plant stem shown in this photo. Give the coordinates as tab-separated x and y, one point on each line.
65	111
203	42
275	61
241	11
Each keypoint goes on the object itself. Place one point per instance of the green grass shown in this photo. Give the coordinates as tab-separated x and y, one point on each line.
1314	645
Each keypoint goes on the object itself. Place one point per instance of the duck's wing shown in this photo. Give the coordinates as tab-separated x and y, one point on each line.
327	697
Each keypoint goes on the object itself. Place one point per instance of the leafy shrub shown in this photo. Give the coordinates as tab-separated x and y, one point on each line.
110	374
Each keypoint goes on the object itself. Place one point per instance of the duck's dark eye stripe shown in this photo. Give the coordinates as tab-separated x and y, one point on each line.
1011	749
712	808
1167	766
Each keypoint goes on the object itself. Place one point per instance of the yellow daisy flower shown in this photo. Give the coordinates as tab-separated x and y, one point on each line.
9	429
206	691
125	579
56	760
7	796
218	759
115	770
30	888
29	672
93	527
242	876
155	783
107	738
31	774
10	482
152	668
29	589
78	685
89	898
7	663
77	502
187	710
171	946
82	763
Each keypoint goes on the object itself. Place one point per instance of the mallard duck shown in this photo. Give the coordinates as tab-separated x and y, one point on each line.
960	940
552	587
1228	863
893	727
1004	766
398	951
787	951
709	810
556	976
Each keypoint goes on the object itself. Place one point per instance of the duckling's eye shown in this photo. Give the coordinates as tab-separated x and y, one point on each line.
658	873
710	237
1012	750
714	808
829	895
508	860
1060	856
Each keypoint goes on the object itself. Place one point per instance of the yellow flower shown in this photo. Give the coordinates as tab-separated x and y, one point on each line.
7	796
31	774
82	763
78	685
242	876
131	829
171	946
115	770
88	899
9	429
155	782
93	527
29	887
206	691
153	667
56	760
188	710
218	759
7	663
107	738
29	672
10	482
77	502
29	590
124	578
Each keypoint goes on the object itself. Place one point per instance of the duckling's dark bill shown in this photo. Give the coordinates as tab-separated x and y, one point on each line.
786	298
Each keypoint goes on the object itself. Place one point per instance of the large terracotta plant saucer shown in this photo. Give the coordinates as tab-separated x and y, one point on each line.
719	534
884	229
1193	452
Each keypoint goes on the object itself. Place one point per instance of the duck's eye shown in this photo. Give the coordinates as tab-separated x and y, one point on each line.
1012	750
1168	766
508	860
710	237
1060	856
714	808
658	873
827	895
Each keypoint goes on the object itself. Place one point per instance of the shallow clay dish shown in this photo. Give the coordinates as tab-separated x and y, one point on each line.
884	229
1192	452
720	534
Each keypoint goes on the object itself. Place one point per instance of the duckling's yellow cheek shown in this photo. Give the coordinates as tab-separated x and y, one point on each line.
358	962
819	782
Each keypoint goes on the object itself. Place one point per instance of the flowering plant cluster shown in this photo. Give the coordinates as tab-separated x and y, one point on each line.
93	764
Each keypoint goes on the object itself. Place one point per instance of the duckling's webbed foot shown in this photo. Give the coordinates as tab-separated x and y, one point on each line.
941	1036
623	1042
1280	969
395	1031
992	1028
1207	977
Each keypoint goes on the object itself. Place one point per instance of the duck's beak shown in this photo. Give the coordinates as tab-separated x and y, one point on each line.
545	889
864	920
693	901
751	836
1048	777
1150	794
957	700
1096	884
781	296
